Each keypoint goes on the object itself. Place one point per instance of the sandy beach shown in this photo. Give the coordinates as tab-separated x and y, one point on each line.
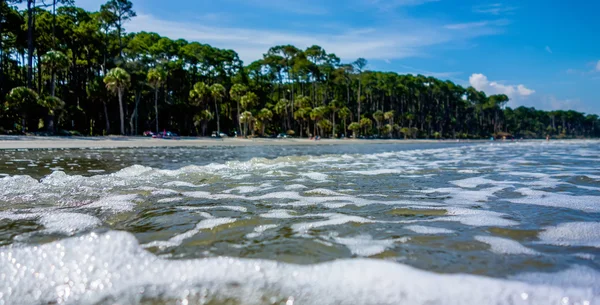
31	142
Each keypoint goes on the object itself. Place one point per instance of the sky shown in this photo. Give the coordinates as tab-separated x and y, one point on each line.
541	53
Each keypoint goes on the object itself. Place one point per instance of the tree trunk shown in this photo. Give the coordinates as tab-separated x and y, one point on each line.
156	107
53	83
334	125
120	93
30	7
218	121
238	117
106	117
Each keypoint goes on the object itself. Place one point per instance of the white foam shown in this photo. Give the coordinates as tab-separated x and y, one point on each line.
324	192
293	187
334	220
505	246
477	181
278	214
169	200
558	200
315	176
258	231
428	230
245	189
206	224
112	268
68	223
119	203
478	218
182	184
365	245
376	172
584	234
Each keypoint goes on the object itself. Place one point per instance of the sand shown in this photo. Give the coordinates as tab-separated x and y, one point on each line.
30	142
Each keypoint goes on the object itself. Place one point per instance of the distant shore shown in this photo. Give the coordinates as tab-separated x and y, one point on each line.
33	142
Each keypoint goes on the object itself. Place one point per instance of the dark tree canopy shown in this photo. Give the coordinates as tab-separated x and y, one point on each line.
80	71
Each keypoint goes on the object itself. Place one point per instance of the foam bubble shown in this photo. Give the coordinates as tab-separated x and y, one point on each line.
365	245
315	176
112	268
428	230
334	219
505	246
206	224
258	231
584	234
119	203
558	200
182	184
68	223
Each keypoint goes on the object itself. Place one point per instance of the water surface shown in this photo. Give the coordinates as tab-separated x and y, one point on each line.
502	223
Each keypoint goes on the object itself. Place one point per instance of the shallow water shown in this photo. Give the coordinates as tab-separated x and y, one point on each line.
485	223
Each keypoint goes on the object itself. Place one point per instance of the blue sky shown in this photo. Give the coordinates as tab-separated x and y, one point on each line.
542	53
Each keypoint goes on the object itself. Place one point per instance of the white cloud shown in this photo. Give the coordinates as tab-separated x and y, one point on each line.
548	49
481	83
598	66
474	25
392	42
494	9
464	26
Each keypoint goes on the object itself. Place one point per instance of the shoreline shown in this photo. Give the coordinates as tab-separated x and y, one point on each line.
39	142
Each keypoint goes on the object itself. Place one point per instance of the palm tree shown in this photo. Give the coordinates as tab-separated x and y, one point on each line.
55	61
53	105
389	116
249	100
281	108
22	100
237	92
263	116
246	118
366	123
203	119
117	80
199	93
355	127
378	116
218	93
344	114
318	114
300	115
156	78
334	106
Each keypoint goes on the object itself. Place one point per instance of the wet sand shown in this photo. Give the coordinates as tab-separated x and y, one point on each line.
29	142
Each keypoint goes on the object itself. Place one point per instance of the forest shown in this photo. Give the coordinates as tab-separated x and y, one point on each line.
65	70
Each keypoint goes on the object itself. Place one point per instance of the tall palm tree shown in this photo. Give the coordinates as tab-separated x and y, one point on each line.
344	114
55	61
237	92
117	80
249	100
246	118
263	116
156	78
334	106
202	119
378	116
218	93
22	100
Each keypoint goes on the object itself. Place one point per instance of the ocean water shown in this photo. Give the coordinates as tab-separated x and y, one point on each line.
448	223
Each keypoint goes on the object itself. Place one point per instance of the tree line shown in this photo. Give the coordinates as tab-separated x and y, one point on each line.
65	69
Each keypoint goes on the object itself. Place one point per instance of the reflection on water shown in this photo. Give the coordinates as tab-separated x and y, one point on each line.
510	211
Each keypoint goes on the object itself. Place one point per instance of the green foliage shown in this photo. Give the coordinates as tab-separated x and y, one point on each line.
301	88
117	79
